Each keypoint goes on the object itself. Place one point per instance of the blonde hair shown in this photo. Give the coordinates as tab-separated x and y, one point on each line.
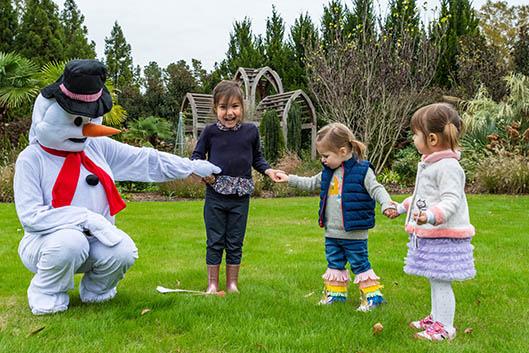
336	135
226	90
441	119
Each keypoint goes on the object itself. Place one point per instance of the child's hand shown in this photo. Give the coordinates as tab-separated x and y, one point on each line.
282	177
209	180
420	217
391	213
272	173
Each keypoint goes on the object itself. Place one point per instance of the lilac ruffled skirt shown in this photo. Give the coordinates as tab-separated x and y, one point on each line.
444	259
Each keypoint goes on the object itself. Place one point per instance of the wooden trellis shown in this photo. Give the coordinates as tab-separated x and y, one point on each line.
282	103
198	108
255	81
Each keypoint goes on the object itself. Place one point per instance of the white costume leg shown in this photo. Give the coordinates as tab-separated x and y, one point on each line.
104	268
53	258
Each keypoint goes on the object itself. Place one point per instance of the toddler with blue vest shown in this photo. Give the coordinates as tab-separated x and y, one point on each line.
348	196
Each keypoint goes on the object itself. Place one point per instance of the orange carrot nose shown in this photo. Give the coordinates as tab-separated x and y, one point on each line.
94	130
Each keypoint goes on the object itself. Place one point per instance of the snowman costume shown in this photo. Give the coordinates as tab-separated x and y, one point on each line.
65	196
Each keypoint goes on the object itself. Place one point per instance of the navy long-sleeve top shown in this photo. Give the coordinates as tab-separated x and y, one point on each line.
234	151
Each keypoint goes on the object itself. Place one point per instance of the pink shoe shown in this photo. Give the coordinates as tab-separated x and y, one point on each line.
436	332
422	324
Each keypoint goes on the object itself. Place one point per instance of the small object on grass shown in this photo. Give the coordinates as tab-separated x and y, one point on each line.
377	328
308	295
164	290
37	330
468	330
145	311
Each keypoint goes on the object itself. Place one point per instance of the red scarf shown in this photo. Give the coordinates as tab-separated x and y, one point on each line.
64	187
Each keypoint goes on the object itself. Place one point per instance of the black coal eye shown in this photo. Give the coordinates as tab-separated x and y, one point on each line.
78	121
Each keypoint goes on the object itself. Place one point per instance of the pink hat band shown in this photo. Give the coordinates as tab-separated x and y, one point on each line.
81	97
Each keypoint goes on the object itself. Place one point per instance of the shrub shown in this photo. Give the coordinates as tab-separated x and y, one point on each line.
405	164
7	173
272	135
291	163
186	188
294	128
389	177
503	174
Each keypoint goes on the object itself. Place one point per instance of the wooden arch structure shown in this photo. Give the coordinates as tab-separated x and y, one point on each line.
256	83
199	107
282	103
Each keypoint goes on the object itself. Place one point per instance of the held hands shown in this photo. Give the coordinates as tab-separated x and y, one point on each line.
391	212
273	174
204	168
420	217
282	177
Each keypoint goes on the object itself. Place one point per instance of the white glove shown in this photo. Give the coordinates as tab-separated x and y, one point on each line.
107	233
204	168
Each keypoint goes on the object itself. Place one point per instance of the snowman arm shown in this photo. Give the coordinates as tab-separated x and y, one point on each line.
147	164
35	216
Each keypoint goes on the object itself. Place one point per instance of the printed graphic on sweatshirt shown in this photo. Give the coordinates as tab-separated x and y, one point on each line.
335	188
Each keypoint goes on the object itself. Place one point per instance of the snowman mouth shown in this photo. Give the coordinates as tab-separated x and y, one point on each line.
76	140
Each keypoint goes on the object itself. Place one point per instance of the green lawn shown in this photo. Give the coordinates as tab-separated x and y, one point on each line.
280	286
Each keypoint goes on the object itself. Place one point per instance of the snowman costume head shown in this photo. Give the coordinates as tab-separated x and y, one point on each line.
65	111
65	195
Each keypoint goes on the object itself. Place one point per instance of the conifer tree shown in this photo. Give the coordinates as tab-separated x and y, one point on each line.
457	19
118	60
278	54
362	19
8	26
521	51
154	90
244	50
303	35
40	35
403	19
76	43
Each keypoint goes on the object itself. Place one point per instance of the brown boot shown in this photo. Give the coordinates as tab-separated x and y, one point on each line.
232	275
213	278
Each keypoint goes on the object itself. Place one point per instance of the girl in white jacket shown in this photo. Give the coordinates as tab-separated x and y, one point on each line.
437	217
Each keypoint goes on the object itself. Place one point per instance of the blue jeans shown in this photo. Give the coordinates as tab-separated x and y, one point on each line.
340	251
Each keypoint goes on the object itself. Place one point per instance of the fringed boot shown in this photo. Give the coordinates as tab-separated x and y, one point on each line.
213	278
335	286
232	276
370	294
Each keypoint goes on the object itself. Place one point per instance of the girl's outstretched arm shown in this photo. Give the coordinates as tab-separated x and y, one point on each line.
305	183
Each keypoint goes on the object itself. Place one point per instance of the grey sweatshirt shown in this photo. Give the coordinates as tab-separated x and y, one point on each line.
333	211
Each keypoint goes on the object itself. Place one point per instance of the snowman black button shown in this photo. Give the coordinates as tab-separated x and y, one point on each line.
92	180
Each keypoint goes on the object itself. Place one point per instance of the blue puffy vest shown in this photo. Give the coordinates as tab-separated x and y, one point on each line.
358	208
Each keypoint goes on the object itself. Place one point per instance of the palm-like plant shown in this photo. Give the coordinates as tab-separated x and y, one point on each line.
18	84
483	116
150	131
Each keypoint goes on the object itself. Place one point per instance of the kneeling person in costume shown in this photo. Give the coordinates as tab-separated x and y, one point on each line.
65	195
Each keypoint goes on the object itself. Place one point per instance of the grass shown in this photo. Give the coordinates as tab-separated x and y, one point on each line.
280	282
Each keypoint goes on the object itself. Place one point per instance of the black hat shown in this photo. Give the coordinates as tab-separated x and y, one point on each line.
81	89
